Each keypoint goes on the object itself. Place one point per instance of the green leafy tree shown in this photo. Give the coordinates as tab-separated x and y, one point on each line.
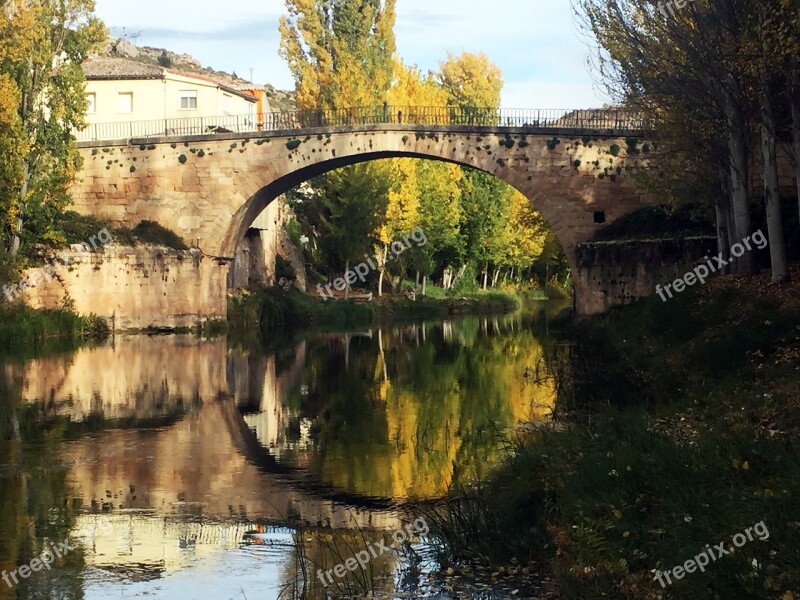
42	100
340	53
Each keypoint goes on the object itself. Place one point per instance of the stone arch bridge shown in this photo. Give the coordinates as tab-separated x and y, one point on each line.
208	179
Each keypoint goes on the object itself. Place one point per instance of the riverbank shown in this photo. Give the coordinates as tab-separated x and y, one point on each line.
23	328
274	311
678	429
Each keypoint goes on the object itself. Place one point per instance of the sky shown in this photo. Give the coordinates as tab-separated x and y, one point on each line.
537	43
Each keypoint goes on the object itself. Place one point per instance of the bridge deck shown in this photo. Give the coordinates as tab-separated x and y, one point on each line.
611	122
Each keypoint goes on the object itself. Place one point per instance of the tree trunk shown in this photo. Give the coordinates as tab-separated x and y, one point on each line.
496	277
769	153
383	271
794	92
737	144
347	285
16	234
485	275
424	285
722	207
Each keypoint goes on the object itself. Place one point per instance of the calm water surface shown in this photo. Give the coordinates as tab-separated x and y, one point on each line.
178	467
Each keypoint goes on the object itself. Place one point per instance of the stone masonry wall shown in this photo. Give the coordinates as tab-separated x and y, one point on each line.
134	288
619	272
254	262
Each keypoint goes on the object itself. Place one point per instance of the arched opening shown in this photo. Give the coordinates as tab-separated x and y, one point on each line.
256	217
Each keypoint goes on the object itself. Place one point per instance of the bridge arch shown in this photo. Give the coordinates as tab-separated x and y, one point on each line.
210	188
256	204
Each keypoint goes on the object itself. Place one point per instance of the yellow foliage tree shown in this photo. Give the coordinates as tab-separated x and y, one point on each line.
339	53
471	80
42	99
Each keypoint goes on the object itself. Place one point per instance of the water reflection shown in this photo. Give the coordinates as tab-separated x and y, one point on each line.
230	473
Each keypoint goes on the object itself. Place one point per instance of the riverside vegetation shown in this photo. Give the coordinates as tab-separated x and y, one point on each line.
289	313
678	428
21	325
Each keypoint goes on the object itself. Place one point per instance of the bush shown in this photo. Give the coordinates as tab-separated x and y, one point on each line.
295	232
150	232
284	269
659	222
22	326
78	229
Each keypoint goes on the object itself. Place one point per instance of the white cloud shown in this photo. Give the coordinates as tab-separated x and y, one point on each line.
535	42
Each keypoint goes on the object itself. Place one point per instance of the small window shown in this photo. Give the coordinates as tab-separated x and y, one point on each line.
92	106
600	217
188	100
125	102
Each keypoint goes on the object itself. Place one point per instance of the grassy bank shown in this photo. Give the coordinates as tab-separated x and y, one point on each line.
22	327
680	428
277	312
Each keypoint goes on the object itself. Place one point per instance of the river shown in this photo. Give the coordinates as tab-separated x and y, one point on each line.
183	467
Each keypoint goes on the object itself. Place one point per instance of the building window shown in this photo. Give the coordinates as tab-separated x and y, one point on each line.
92	107
125	104
188	100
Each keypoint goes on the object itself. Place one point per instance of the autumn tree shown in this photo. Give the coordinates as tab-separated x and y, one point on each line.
471	80
340	53
424	193
695	69
473	84
42	101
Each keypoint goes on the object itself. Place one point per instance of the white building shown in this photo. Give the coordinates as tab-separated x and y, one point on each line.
129	99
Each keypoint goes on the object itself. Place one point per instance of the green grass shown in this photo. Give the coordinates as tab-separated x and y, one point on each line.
680	432
277	312
22	327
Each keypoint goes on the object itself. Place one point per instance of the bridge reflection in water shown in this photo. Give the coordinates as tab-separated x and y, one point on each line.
187	444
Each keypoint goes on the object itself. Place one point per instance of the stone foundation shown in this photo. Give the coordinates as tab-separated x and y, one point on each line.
254	263
620	272
134	288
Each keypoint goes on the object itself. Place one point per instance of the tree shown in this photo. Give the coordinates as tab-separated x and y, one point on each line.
693	69
42	100
770	44
340	53
471	80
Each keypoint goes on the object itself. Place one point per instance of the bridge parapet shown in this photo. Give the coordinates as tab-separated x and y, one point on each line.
607	121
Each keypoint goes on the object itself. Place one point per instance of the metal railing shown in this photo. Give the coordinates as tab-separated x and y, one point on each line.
612	120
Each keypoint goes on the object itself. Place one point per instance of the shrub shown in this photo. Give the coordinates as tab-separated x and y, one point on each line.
80	228
284	269
150	232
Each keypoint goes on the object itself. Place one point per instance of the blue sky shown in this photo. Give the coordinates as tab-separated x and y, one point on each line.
535	42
